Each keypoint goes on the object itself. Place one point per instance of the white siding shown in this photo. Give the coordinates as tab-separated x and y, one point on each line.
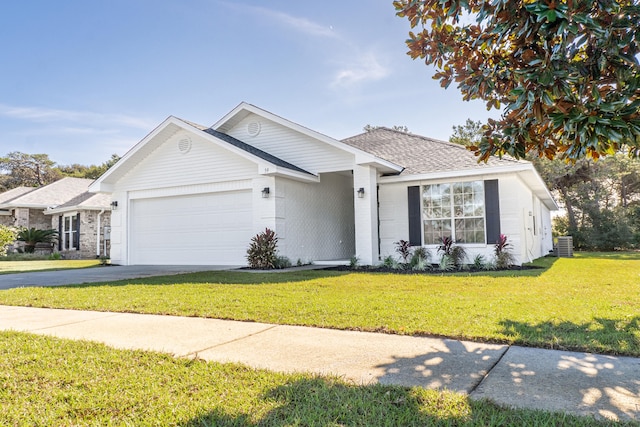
516	201
296	148
315	221
205	162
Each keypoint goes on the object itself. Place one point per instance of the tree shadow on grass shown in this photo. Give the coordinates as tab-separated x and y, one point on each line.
327	402
600	335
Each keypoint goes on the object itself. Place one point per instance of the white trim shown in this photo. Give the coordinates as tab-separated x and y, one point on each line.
214	187
54	211
362	157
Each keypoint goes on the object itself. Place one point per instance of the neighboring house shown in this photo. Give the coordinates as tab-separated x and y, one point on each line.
7	217
65	205
190	194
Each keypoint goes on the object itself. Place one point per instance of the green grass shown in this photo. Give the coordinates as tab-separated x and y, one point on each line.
587	303
10	267
53	382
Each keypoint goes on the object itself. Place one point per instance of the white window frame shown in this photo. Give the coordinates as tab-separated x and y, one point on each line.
452	217
67	243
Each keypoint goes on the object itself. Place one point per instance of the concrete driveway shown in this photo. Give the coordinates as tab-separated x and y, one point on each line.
98	274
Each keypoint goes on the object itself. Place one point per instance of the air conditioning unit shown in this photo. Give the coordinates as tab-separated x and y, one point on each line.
565	246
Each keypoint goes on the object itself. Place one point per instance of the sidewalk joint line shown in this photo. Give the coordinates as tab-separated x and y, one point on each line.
107	315
484	377
195	353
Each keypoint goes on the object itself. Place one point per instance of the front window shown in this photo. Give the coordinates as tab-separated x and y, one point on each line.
454	210
70	232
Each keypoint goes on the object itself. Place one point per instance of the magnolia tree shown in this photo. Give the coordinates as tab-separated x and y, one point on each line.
565	72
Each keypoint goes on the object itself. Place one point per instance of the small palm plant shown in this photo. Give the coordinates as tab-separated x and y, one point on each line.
31	236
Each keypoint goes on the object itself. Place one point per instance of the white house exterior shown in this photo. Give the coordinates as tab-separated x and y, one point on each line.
189	194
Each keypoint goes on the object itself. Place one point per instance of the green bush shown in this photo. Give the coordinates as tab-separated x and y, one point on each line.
8	235
262	250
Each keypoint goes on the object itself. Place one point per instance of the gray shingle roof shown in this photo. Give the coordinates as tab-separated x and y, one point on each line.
419	154
53	194
88	200
255	151
14	193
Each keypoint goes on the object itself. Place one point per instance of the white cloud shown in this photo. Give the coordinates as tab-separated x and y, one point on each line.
365	68
299	24
86	119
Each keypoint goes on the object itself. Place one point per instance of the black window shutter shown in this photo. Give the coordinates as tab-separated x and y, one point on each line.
78	231
60	233
415	237
492	210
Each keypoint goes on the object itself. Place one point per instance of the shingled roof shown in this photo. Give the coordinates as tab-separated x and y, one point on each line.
419	154
51	195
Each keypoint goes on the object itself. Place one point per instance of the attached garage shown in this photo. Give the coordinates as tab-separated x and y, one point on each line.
198	229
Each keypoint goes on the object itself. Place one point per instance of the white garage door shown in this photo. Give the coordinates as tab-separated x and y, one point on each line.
203	229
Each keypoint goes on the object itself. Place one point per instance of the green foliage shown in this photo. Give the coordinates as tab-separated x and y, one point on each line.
454	253
566	73
446	263
479	262
391	263
27	170
8	235
262	252
282	262
420	259
600	199
354	262
56	256
88	172
31	236
469	134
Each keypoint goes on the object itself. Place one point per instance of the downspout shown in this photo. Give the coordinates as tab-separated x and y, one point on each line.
98	235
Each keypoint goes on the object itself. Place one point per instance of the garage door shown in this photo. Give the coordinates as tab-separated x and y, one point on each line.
203	229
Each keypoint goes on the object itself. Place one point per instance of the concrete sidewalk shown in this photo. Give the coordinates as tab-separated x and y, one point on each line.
580	383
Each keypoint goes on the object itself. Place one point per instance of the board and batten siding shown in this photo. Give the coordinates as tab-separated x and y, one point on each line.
315	221
294	147
204	162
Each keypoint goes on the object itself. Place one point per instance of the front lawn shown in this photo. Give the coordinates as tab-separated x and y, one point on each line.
9	267
53	382
587	303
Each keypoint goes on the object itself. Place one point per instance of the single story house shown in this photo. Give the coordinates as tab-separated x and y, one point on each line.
192	194
80	217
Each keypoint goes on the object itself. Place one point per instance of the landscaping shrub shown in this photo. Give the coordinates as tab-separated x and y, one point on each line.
403	247
31	236
7	236
262	250
502	251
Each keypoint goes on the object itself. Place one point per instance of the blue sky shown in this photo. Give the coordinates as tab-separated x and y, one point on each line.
81	80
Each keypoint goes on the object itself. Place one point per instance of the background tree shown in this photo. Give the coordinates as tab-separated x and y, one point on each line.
566	72
469	134
90	172
369	128
29	170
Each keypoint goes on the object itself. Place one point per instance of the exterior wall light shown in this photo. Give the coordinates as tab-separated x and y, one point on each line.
265	193
114	205
360	192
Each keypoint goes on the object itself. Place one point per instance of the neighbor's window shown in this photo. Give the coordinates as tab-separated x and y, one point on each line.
453	210
69	232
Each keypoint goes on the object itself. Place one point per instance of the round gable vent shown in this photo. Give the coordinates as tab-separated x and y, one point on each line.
253	128
184	145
